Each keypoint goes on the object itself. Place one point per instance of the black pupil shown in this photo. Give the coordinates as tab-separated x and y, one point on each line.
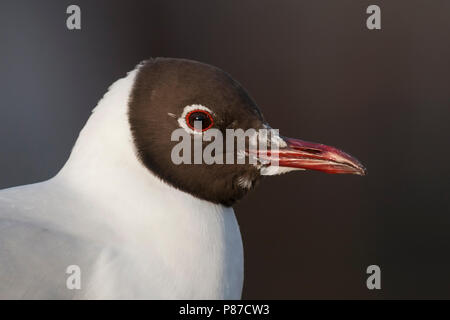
200	117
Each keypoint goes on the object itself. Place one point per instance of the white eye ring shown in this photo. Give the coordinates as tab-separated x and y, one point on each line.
182	120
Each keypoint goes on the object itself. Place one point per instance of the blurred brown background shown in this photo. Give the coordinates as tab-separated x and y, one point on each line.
318	74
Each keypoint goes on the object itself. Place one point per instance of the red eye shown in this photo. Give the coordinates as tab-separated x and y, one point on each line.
203	117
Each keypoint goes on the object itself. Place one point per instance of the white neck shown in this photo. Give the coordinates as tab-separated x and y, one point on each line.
196	241
106	143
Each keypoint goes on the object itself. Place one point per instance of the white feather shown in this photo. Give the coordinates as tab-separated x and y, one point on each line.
133	236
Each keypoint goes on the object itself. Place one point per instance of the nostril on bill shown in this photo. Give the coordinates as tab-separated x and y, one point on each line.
312	151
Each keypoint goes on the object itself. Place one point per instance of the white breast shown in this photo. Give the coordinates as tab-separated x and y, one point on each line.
134	235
